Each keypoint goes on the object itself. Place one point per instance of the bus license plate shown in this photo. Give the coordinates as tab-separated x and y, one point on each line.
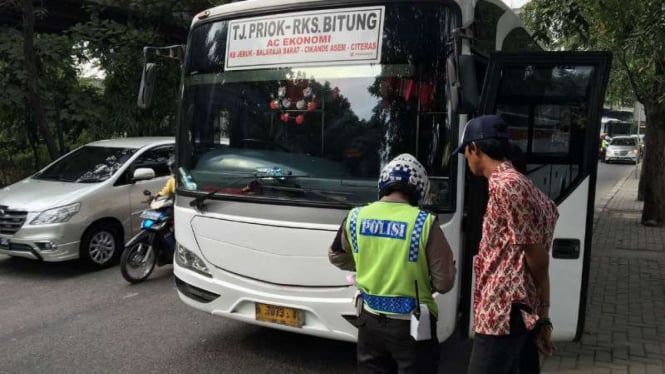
279	314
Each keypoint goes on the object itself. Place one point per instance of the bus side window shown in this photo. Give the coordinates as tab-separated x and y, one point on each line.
552	137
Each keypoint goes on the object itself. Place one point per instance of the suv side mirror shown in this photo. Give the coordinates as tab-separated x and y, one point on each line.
143	174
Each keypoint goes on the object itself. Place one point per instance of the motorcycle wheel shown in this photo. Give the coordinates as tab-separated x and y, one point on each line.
138	261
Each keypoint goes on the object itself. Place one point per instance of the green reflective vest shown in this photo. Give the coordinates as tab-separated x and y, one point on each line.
389	241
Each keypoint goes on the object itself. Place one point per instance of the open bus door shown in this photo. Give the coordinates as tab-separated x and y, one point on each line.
552	102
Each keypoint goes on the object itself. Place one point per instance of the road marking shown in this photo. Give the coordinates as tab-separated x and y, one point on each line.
130	295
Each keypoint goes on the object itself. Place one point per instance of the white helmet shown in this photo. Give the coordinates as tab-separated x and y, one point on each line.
407	171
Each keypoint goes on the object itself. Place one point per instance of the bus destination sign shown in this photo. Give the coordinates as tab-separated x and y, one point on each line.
313	38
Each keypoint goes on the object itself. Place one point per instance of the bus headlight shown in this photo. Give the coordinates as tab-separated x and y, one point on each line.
187	259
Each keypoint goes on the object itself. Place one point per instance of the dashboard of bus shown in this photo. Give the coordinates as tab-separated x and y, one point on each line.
309	115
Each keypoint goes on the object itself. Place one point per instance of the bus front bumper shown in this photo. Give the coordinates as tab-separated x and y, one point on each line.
328	311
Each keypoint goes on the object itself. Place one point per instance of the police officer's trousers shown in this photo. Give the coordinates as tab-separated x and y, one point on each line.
386	346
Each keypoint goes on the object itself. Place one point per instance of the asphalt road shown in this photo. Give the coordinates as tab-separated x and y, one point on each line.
63	318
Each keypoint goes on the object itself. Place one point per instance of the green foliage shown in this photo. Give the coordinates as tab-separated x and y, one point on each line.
63	97
80	110
119	49
633	31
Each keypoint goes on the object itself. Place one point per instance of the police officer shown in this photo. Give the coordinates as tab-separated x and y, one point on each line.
393	245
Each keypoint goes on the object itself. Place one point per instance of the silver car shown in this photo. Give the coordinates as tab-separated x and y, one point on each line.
85	204
623	148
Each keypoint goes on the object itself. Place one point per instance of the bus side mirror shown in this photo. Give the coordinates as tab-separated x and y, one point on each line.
462	84
147	88
469	96
452	84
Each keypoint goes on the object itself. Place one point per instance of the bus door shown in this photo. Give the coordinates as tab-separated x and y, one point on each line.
552	102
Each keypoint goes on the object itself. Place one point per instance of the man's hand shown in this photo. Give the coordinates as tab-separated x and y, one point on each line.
544	340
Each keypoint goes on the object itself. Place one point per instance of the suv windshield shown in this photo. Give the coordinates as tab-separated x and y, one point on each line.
88	164
307	107
623	141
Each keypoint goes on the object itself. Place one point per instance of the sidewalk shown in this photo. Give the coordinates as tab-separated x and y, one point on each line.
625	319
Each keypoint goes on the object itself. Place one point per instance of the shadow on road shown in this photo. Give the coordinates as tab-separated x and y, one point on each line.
22	268
318	355
295	353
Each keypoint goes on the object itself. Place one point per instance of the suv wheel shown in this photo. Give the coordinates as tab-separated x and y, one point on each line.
100	245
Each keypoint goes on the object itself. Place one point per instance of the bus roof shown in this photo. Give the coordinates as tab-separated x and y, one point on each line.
243	7
610	119
247	6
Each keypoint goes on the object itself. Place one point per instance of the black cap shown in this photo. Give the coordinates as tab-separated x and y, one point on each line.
484	127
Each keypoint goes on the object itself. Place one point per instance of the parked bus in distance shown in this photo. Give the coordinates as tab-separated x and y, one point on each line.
289	109
613	127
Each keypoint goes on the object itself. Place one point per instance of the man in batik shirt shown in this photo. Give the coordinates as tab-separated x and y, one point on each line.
511	295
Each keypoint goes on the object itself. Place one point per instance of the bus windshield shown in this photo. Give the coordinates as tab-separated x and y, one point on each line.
306	107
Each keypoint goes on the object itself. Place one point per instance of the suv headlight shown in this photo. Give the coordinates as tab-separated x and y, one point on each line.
56	215
187	259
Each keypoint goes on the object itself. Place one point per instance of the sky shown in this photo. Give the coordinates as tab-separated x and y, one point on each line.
515	3
91	70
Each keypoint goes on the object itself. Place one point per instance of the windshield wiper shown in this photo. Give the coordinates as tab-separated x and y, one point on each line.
320	193
198	203
44	177
279	175
56	178
91	178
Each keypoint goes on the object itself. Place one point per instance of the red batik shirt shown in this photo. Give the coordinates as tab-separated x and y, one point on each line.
517	213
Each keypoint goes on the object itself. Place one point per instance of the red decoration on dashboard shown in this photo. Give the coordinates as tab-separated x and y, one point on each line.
295	96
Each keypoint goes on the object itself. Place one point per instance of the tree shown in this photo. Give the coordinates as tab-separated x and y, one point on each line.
32	72
46	108
118	47
71	105
635	32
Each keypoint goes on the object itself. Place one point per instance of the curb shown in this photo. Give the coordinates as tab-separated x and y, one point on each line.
609	197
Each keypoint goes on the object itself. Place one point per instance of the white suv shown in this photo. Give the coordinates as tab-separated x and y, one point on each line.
623	148
86	203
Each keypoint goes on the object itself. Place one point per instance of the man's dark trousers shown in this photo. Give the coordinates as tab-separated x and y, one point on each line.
515	353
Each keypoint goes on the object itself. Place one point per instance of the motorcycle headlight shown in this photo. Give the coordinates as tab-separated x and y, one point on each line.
56	215
187	259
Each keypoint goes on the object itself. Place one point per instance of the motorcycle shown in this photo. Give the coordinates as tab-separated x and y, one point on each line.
153	245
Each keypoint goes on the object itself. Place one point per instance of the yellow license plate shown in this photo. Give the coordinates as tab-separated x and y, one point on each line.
279	314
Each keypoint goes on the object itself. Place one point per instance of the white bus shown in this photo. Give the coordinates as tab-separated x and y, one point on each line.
289	108
613	127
